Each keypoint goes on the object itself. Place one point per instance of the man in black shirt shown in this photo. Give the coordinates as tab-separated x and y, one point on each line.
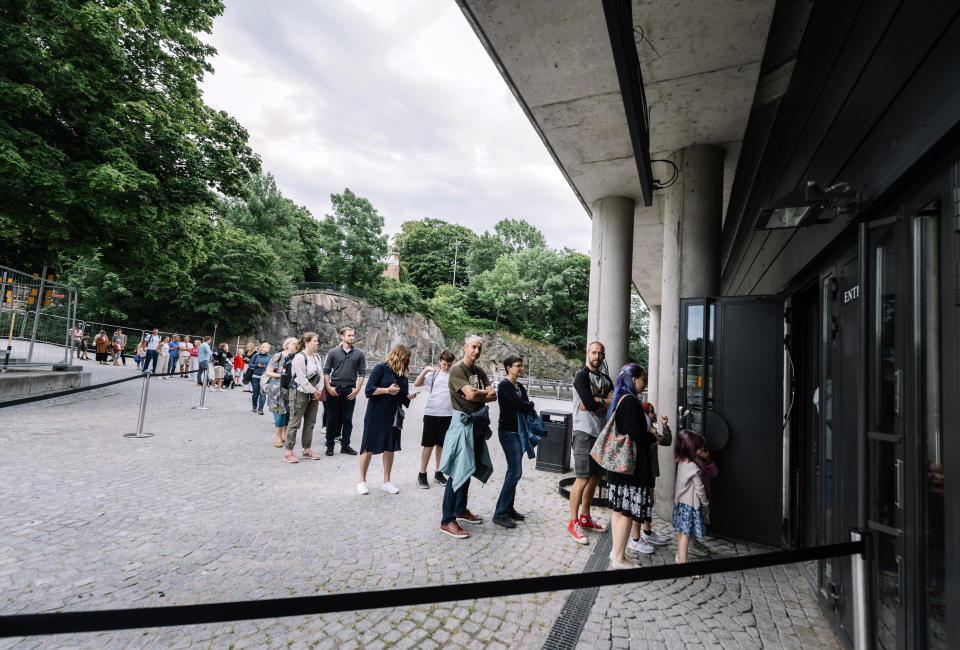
344	370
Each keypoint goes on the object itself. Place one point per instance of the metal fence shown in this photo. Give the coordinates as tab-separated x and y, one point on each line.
36	318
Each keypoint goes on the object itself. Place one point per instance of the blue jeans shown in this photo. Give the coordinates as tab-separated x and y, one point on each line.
454	501
201	370
258	397
151	354
510	442
172	364
339	413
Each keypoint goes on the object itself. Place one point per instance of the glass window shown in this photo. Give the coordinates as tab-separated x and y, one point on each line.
693	375
927	355
888	375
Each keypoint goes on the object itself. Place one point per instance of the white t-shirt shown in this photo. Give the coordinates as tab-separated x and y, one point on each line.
185	347
438	401
152	341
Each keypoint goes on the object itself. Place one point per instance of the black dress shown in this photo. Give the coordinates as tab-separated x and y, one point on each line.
378	432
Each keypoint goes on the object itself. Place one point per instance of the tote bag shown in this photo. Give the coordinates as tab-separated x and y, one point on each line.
614	451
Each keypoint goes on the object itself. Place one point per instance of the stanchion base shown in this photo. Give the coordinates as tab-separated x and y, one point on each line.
201	408
138	435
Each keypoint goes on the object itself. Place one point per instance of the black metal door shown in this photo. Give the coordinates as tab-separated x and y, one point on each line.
731	366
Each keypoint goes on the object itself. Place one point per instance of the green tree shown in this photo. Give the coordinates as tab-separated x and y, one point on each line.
396	297
518	234
639	330
353	242
484	253
266	212
429	248
105	142
239	281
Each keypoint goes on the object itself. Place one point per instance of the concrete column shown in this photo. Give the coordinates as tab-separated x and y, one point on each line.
653	365
692	218
611	256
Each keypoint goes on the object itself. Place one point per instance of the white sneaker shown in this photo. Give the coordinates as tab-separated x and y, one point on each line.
390	487
653	538
616	565
640	546
362	488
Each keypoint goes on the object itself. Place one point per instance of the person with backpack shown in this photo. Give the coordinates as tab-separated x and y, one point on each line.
221	357
275	384
304	396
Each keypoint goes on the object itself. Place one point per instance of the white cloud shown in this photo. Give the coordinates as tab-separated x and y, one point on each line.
397	101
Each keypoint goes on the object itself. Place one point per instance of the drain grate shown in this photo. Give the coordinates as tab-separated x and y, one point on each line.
573	616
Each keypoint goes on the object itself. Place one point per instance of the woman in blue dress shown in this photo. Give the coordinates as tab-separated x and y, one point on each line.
386	391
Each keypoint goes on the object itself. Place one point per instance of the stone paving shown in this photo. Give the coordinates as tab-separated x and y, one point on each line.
206	512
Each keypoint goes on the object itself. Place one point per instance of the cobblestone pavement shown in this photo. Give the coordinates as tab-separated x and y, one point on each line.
205	512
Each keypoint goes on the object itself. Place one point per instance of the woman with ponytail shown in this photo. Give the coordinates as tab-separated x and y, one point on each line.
630	493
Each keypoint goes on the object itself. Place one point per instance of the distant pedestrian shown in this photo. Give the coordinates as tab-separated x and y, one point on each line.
259	362
184	356
204	355
163	352
101	342
592	392
345	368
629	494
195	356
120	347
220	363
275	384
303	398
77	336
140	353
173	353
251	349
690	495
85	348
153	341
436	416
237	369
514	403
465	452
387	393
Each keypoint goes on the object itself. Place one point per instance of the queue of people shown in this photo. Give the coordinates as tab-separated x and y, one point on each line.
292	382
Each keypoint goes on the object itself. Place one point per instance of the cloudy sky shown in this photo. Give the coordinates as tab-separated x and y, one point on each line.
397	101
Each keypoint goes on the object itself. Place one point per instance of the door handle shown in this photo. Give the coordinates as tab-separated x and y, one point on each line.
898	468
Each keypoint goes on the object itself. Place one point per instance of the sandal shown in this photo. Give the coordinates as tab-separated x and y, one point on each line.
277	444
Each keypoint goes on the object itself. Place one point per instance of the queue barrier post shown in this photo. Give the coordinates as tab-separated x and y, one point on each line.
860	565
203	390
144	391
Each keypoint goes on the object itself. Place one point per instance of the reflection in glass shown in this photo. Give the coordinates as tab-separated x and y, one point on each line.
693	377
826	409
888	377
927	340
711	339
888	587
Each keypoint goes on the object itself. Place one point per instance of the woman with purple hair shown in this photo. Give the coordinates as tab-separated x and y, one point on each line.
630	493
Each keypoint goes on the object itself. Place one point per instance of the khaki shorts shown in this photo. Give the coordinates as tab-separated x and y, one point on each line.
218	372
584	466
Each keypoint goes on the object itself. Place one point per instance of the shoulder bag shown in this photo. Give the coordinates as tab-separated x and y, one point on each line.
614	451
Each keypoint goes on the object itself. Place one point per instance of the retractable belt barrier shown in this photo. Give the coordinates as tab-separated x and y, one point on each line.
71	391
122	619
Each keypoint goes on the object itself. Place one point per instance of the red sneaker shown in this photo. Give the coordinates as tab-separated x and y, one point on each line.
574	529
453	530
468	518
587	523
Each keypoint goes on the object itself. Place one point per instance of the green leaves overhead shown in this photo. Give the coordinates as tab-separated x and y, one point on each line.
352	242
105	143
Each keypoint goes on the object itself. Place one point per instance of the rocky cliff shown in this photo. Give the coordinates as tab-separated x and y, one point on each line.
378	330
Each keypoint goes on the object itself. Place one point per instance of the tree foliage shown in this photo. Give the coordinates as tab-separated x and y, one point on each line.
352	242
106	147
518	235
431	249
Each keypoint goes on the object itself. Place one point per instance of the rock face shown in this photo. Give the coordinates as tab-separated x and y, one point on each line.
378	330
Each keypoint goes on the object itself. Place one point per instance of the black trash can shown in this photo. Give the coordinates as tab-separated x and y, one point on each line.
553	452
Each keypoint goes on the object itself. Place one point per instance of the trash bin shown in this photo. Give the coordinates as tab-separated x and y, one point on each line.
553	452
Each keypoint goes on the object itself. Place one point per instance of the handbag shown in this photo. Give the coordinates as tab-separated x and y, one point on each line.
399	413
614	451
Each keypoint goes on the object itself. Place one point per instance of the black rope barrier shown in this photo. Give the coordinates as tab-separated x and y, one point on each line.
72	391
123	619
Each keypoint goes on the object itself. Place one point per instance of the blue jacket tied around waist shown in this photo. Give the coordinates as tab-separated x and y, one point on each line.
465	452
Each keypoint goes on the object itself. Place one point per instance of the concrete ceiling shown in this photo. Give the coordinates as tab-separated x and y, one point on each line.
700	61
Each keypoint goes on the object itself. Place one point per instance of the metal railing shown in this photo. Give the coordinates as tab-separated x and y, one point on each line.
35	309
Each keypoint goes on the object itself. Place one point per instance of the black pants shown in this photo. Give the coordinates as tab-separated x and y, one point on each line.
339	412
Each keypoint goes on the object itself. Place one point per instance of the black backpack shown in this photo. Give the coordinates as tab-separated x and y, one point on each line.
286	375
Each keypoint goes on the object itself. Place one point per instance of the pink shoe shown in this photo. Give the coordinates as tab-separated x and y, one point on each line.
290	458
